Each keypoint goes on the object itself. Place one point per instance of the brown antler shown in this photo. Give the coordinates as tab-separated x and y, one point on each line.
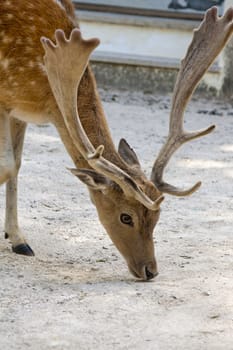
65	63
208	41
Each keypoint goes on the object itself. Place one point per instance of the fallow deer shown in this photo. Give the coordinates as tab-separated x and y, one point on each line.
45	77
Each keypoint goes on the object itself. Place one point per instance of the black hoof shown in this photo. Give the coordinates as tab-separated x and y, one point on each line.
6	235
23	249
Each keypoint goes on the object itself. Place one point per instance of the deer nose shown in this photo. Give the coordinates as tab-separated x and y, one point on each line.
149	274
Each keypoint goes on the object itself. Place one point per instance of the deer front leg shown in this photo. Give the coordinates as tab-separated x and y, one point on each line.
12	230
7	162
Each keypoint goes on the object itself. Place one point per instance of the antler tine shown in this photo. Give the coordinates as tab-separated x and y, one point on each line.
208	40
74	52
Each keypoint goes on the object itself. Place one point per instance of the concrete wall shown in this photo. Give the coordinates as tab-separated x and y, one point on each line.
144	53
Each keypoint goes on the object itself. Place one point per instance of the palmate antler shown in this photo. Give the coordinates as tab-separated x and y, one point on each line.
208	41
65	63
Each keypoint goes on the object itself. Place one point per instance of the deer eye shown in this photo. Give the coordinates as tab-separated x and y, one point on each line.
126	219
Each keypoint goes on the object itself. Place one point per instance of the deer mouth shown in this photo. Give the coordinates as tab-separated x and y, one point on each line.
134	273
145	273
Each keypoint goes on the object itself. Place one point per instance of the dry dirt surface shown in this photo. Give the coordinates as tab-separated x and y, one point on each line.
77	294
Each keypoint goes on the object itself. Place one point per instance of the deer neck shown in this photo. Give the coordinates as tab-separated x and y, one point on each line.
93	120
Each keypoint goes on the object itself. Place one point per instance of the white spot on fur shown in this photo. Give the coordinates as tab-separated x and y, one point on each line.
42	68
10	16
33	28
42	22
19	41
33	83
8	3
5	63
21	69
7	40
30	6
31	64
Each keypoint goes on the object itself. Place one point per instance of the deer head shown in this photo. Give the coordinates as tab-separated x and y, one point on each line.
128	219
128	203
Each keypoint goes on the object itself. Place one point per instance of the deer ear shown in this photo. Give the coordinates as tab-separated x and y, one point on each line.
127	153
92	179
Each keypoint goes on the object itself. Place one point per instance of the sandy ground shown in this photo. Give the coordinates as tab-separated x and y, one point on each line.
77	293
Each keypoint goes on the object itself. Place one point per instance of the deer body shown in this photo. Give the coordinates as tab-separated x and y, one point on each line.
25	92
26	97
45	77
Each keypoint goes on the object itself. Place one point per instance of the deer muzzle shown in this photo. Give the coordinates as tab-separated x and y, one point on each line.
144	272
